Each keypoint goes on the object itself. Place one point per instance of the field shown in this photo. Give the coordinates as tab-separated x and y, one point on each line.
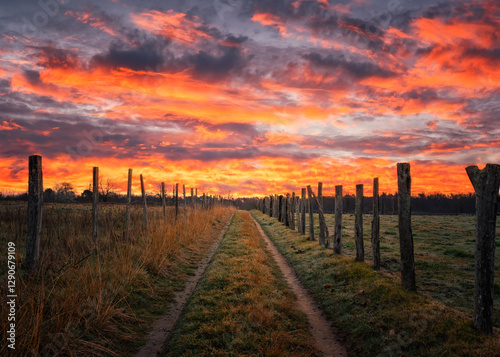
377	316
104	303
85	303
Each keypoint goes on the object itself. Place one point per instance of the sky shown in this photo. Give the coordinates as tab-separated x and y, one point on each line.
249	97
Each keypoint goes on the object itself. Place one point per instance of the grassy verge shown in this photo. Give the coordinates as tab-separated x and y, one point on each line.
377	316
444	255
242	306
101	304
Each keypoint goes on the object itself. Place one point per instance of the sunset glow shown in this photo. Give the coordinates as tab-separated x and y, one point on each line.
250	97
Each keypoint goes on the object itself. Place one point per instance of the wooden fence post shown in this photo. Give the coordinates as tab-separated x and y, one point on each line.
196	196
192	198
143	192
303	213
286	207
311	217
35	208
376	226
337	242
292	212
176	200
95	206
163	205
184	195
320	215
321	237
486	184
129	201
405	232
358	224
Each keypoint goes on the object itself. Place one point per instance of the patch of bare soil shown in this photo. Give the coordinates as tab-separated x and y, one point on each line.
321	329
163	328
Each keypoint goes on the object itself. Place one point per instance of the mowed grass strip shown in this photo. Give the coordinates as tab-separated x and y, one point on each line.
376	315
242	306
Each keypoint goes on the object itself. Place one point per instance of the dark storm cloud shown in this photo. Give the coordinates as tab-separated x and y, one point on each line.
217	67
32	76
357	70
146	56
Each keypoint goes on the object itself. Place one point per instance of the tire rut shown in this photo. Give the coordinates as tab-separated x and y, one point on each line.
321	329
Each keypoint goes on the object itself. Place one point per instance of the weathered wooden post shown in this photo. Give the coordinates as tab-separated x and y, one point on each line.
337	242
298	212
321	215
35	208
143	192
95	205
311	217
286	208
192	198
129	201
176	200
321	237
486	184
303	213
376	226
281	217
405	232
163	205
358	224
184	195
292	212
204	201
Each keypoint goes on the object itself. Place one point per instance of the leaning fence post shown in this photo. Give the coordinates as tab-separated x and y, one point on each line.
358	224
486	184
143	192
95	206
35	208
321	215
311	217
292	212
405	232
337	243
376	226
129	199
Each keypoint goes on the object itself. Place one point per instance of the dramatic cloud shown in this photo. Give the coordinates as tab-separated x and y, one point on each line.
250	96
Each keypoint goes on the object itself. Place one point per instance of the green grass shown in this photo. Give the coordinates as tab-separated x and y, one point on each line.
242	306
378	317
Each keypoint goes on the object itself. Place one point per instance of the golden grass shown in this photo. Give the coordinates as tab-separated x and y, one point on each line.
242	306
101	303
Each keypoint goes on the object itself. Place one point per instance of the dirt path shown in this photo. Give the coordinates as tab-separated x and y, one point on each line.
321	328
162	329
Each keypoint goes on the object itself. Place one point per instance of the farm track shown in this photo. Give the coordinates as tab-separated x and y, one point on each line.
321	329
162	329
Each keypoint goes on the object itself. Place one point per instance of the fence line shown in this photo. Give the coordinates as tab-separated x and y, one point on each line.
486	184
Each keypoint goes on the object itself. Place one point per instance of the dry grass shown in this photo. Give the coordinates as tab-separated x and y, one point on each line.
242	306
85	303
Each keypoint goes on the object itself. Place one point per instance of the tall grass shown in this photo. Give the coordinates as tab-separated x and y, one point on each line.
86	302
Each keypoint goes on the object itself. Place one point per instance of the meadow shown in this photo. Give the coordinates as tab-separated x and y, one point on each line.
85	302
377	316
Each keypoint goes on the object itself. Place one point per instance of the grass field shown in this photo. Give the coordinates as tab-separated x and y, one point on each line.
242	306
377	316
84	303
